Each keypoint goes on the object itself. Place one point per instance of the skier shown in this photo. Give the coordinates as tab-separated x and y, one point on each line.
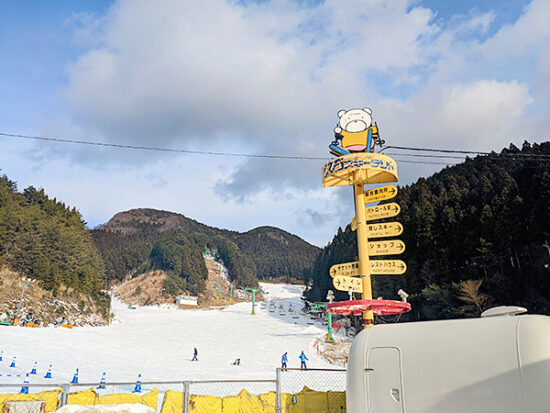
303	359
284	360
195	354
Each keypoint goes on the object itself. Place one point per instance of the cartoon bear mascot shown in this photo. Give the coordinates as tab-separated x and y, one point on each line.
354	132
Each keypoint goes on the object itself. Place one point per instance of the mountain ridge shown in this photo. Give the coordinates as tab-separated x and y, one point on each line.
143	239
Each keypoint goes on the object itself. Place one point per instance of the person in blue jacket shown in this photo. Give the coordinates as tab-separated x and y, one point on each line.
284	360
303	359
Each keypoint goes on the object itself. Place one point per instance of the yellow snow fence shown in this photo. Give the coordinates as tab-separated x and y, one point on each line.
89	397
50	397
305	401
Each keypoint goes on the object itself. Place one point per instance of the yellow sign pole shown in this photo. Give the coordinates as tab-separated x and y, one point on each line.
363	249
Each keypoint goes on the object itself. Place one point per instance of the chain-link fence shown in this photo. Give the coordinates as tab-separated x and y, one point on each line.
294	391
311	390
232	396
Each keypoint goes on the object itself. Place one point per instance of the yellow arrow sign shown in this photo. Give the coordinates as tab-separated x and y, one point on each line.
346	269
379	194
378	212
343	283
382	211
386	247
389	267
385	229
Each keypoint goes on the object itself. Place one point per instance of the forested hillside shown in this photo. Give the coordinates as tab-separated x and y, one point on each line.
474	234
45	240
145	239
276	253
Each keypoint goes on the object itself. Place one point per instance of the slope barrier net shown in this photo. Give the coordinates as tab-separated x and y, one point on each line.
294	391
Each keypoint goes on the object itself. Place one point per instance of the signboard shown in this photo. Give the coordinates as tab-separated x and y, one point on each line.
354	224
346	269
359	168
382	211
380	194
343	283
386	247
384	229
387	267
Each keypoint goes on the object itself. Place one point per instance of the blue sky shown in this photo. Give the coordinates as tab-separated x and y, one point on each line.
257	77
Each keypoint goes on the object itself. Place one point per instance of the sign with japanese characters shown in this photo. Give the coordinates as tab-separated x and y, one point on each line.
359	168
343	283
384	229
382	211
346	269
387	267
380	194
386	247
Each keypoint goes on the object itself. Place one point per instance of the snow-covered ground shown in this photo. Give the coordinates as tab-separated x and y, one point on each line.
157	342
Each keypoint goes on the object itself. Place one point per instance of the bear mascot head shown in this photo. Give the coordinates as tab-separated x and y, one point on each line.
354	132
354	120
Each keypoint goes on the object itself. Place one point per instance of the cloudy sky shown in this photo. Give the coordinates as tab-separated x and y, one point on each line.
257	77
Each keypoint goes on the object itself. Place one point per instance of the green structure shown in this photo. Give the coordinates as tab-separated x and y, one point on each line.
320	308
254	297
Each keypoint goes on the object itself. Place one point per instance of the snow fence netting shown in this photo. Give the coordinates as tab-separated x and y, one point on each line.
51	398
294	391
312	390
92	397
227	397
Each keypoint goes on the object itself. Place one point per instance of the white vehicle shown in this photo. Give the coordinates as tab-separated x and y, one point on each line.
497	363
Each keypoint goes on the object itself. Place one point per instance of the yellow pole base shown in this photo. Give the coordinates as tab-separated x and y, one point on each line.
253	313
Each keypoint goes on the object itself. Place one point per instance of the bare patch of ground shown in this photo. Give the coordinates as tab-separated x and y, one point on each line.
147	289
40	306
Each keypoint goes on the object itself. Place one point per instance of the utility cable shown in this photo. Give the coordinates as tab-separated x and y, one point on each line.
152	148
291	157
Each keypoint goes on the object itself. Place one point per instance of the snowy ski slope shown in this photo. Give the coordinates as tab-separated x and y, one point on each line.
157	342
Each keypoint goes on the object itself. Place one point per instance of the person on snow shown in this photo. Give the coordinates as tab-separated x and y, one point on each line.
284	360
303	359
237	362
195	354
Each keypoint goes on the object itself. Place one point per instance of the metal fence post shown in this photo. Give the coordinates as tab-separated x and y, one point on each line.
278	406
64	394
185	397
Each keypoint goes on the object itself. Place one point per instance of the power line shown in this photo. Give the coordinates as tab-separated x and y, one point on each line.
435	150
288	157
152	148
523	155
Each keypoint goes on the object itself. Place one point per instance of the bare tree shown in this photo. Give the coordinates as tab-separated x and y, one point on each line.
470	294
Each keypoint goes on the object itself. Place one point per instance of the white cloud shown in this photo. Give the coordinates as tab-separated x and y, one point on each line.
269	78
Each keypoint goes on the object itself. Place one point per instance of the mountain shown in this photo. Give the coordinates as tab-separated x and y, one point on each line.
146	239
474	234
276	253
45	240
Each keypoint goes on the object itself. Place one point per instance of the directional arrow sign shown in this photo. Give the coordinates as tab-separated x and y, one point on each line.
389	267
382	211
354	224
344	283
386	247
346	269
379	194
384	229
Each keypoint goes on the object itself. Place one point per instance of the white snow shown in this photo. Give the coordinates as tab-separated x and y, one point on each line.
157	342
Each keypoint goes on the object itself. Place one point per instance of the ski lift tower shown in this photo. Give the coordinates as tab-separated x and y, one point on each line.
254	297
